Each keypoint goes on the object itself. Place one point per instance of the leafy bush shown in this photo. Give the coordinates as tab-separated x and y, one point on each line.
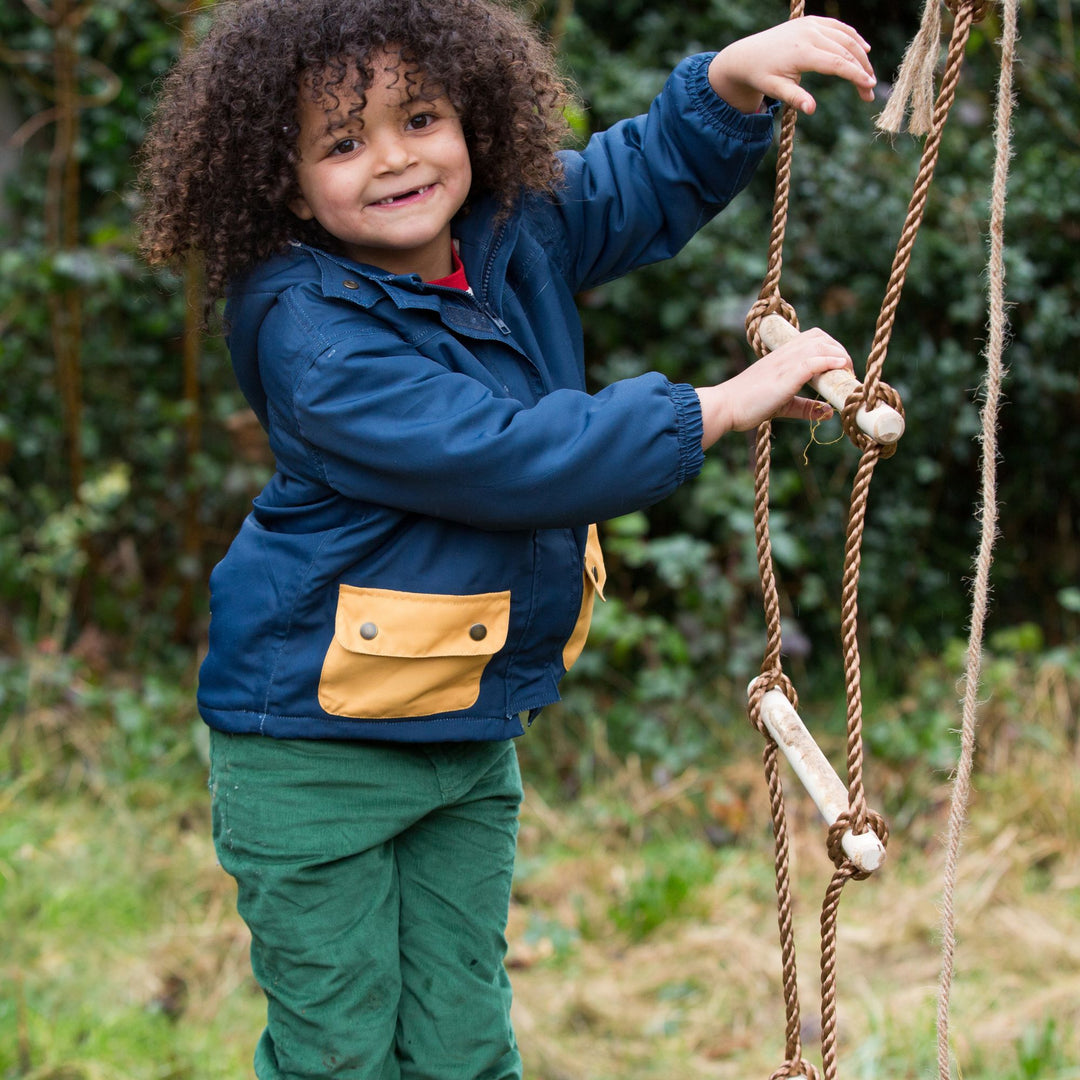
77	289
682	633
692	570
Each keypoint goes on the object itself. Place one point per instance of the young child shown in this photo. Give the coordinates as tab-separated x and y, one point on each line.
376	184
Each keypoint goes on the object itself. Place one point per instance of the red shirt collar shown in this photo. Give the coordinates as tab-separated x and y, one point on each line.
456	279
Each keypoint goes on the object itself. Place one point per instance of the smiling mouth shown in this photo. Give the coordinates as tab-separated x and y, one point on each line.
405	196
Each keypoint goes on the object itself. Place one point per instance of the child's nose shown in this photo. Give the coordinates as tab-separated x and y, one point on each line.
394	154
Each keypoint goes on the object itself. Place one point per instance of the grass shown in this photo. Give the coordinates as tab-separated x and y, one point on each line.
642	929
128	959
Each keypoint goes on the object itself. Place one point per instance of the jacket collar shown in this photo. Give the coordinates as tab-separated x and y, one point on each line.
484	250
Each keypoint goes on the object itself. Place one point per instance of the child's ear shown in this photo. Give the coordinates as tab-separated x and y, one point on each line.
299	206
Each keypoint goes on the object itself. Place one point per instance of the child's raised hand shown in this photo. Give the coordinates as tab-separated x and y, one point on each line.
771	64
768	388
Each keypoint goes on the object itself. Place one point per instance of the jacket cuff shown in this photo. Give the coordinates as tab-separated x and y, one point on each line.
690	429
717	113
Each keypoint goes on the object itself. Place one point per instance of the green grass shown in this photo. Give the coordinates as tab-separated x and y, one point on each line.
120	927
639	948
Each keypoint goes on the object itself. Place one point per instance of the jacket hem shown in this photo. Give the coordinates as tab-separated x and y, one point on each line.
427	729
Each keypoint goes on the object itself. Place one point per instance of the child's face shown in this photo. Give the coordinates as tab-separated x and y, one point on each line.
386	188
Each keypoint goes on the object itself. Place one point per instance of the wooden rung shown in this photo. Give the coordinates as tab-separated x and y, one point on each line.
819	778
882	423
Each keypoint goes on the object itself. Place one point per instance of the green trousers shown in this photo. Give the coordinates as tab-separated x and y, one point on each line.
375	879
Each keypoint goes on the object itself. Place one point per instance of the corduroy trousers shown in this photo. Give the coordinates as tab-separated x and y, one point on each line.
375	879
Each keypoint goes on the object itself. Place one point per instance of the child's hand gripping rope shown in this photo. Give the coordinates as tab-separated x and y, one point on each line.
769	387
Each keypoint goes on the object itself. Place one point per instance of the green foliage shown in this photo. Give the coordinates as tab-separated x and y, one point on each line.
664	890
693	571
69	724
551	939
132	560
1040	1054
918	727
681	633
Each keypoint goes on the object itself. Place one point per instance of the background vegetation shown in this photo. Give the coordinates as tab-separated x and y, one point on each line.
128	460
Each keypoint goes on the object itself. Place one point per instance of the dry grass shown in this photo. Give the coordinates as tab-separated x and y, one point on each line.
639	949
701	996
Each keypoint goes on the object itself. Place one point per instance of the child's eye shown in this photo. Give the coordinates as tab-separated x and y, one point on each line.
345	146
419	121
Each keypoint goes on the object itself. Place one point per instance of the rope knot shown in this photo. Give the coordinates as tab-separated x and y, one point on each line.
769	679
874	822
774	304
855	401
978	8
797	1067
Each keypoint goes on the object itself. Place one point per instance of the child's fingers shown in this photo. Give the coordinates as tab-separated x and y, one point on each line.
838	63
801	408
773	62
850	61
841	54
826	47
838	34
812	353
851	47
825	23
790	93
815	346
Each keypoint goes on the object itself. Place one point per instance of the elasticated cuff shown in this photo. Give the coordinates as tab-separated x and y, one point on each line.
718	114
688	415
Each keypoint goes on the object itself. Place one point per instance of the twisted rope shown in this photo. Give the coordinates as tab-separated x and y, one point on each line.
859	817
769	299
995	374
961	31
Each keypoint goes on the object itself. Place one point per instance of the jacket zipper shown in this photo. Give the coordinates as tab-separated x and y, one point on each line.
489	266
480	306
494	318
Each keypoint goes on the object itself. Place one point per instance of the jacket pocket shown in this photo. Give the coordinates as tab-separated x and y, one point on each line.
398	654
595	578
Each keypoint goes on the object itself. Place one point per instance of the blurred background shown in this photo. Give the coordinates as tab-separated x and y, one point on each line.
128	459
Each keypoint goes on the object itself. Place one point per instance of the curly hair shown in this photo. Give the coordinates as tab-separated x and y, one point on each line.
218	167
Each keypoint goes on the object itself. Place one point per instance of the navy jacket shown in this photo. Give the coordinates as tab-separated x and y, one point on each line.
421	565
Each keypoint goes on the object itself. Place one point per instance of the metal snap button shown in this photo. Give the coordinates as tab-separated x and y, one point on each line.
478	631
368	631
350	284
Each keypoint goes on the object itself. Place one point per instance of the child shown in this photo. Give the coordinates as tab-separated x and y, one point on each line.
377	184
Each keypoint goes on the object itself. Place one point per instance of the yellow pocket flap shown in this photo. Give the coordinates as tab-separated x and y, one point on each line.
594	562
383	622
